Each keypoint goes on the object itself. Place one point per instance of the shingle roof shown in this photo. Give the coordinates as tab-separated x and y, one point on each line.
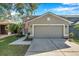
27	18
4	22
71	18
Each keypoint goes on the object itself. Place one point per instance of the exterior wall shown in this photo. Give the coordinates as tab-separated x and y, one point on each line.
66	30
53	20
26	26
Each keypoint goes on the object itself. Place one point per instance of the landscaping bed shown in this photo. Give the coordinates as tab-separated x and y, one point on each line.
11	50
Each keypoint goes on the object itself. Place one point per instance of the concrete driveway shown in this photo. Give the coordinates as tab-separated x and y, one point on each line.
52	47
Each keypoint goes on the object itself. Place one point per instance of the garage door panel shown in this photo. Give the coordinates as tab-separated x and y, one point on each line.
46	31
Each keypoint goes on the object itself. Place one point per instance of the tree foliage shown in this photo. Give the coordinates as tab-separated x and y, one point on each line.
22	8
76	26
15	27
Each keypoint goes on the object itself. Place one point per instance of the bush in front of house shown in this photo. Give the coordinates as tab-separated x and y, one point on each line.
16	29
12	28
71	36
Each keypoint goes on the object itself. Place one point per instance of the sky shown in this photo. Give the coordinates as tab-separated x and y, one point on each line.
58	8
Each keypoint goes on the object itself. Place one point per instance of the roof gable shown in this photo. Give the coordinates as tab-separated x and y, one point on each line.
49	13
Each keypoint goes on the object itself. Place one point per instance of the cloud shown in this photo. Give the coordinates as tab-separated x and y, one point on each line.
62	9
71	4
65	8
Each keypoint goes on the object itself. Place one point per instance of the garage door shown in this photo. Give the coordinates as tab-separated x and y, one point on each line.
48	31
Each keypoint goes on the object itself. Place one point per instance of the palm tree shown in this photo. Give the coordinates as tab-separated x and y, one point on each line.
33	7
27	8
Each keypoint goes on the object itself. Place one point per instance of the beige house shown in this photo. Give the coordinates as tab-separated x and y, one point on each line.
4	26
49	25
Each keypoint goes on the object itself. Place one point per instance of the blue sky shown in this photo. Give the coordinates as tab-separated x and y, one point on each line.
58	8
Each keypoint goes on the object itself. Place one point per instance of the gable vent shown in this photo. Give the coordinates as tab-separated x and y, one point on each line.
48	19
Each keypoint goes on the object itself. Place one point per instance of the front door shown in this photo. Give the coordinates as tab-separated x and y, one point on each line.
2	29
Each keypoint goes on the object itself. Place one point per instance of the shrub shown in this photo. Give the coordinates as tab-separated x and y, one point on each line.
71	35
76	26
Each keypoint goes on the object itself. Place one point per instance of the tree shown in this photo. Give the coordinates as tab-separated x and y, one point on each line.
6	9
26	8
76	26
21	8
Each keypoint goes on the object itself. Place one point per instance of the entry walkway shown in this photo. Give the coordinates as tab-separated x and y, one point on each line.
21	41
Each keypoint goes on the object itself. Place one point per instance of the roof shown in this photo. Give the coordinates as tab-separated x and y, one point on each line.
5	22
77	22
36	17
27	18
72	19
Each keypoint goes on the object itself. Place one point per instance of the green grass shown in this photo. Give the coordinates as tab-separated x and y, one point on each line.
7	40
76	26
11	50
75	40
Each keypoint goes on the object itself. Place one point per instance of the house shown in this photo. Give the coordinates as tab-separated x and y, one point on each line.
48	25
4	26
77	22
72	18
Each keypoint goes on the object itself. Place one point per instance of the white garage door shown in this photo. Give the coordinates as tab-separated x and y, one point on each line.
48	31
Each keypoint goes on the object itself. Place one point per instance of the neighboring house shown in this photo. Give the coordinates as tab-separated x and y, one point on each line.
3	26
72	18
77	22
48	25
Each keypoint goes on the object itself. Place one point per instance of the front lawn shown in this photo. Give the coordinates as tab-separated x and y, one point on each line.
7	40
11	50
